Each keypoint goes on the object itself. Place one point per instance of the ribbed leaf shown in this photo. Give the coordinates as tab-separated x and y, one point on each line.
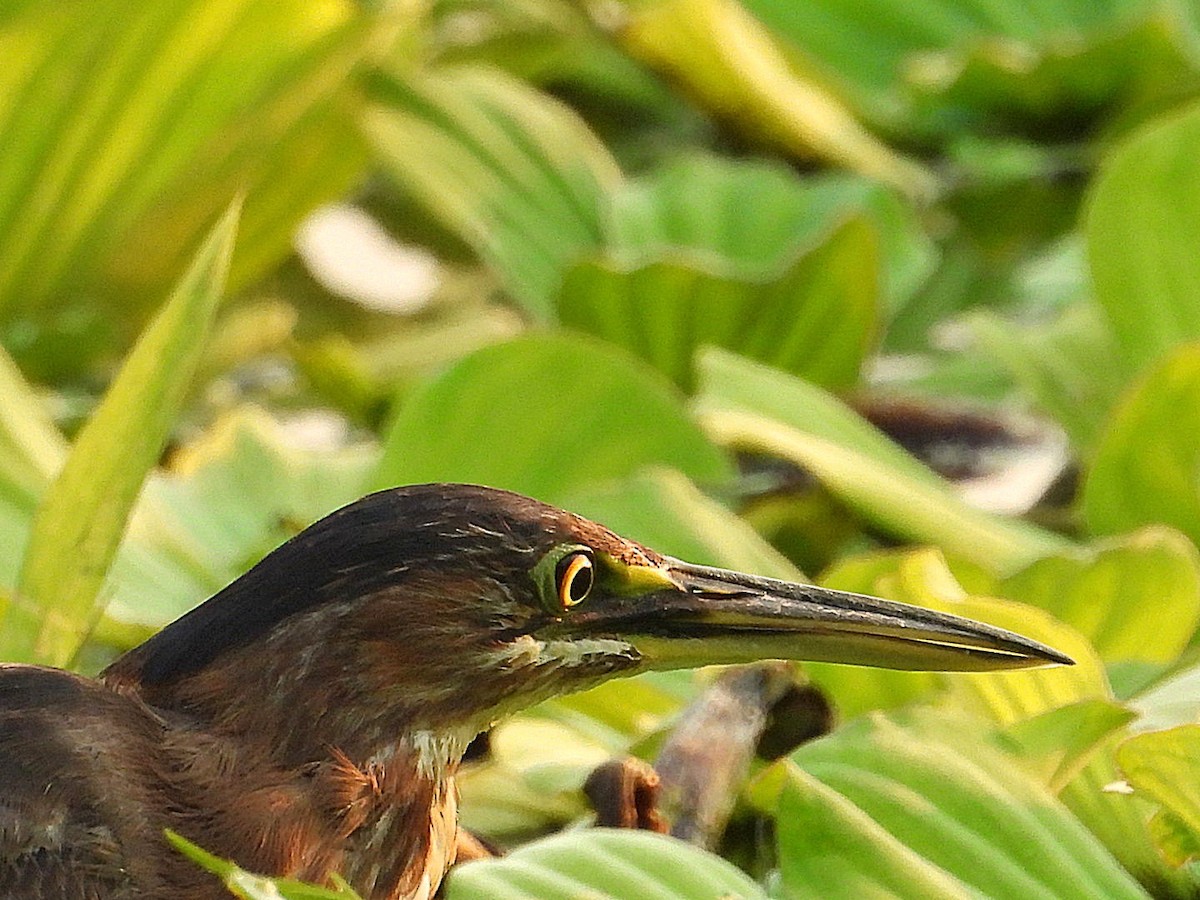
751	407
545	415
127	126
514	173
84	514
1136	598
815	318
603	864
922	578
919	807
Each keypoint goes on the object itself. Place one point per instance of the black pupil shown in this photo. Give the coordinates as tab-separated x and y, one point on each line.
580	577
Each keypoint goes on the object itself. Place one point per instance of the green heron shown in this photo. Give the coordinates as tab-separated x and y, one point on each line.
309	718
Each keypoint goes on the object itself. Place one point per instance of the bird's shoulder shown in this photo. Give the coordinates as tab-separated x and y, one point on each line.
67	820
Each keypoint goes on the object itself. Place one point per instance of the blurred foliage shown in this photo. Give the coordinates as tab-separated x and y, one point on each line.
904	295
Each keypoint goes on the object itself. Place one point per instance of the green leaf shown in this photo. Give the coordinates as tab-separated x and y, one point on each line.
1144	471
730	62
751	407
1096	60
1121	822
1063	367
80	523
1145	206
1165	766
922	578
921	806
936	69
515	174
230	497
749	217
127	129
1059	742
31	447
600	863
1136	598
249	886
816	317
545	415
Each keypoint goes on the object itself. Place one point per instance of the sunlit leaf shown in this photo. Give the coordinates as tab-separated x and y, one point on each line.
1135	598
815	317
1004	697
83	516
1165	766
1145	468
127	129
1145	204
603	863
544	415
515	174
726	59
1059	742
31	448
230	498
751	407
922	578
919	806
1121	821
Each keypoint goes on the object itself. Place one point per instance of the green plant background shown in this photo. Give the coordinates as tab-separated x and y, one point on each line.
686	252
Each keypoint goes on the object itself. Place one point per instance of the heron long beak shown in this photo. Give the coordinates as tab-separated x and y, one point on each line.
699	615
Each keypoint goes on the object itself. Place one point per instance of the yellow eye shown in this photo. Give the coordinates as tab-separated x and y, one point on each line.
573	577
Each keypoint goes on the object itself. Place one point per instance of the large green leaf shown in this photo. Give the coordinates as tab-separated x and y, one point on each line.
602	863
726	59
922	578
515	174
84	514
749	406
932	69
229	498
920	806
1165	766
1144	209
1145	467
1137	598
545	415
749	218
127	128
816	317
